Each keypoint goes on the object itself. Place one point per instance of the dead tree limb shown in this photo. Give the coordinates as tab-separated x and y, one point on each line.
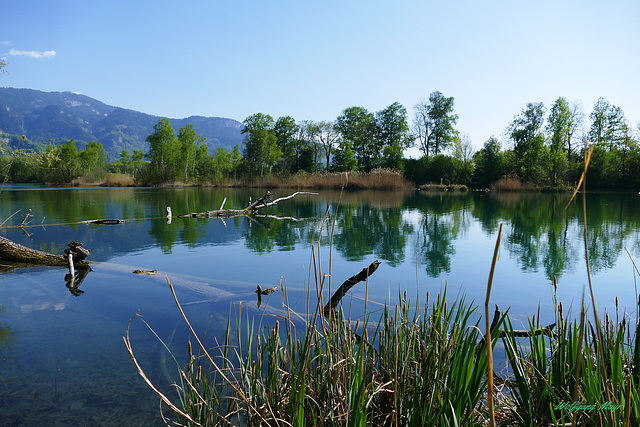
348	284
12	251
263	202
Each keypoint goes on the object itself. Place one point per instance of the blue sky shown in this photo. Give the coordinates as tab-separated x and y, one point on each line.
311	60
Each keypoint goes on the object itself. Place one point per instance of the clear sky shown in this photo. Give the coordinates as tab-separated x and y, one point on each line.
312	59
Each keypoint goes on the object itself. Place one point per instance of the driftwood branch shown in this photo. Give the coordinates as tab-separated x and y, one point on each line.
12	251
263	202
103	221
348	284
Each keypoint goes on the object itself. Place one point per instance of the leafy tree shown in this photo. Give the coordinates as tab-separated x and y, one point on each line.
607	125
357	126
344	158
162	152
221	163
489	163
434	123
67	164
3	67
393	133
528	140
560	124
463	153
261	148
285	130
93	156
189	142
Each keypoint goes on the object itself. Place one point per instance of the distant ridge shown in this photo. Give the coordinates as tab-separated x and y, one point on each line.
56	117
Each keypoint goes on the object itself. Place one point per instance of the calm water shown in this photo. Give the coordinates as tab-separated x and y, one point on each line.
62	358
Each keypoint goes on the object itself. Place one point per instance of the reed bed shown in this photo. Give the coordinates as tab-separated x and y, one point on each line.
382	179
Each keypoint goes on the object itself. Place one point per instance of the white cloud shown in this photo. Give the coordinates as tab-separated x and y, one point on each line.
4	42
33	53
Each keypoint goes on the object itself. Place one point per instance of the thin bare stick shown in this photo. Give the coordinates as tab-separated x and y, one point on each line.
206	353
496	251
127	343
12	215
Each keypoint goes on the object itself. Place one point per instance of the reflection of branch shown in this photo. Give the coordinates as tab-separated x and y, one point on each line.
74	281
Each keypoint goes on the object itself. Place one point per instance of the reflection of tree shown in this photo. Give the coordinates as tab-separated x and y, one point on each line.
365	230
164	234
556	254
543	232
437	245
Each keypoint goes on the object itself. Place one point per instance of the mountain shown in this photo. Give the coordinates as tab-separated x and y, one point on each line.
56	117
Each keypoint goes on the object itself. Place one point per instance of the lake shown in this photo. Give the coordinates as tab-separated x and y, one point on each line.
62	357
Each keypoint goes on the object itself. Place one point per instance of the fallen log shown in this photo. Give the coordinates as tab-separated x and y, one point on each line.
263	202
12	251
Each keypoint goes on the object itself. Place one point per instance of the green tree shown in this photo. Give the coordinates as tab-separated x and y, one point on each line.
489	163
434	123
163	151
357	126
189	142
307	146
528	140
261	149
344	158
463	153
607	125
393	133
93	156
68	164
286	130
559	126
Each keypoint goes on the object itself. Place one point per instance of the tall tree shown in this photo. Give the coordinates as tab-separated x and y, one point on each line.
285	130
162	151
559	127
261	149
328	136
434	123
393	133
607	125
92	156
463	153
358	126
189	142
526	133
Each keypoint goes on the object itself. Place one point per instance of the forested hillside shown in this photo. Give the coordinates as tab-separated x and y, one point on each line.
57	117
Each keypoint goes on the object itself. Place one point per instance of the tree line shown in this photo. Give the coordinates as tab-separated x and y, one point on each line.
544	149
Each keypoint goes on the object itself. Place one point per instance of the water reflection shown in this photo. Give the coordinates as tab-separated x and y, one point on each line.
541	233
